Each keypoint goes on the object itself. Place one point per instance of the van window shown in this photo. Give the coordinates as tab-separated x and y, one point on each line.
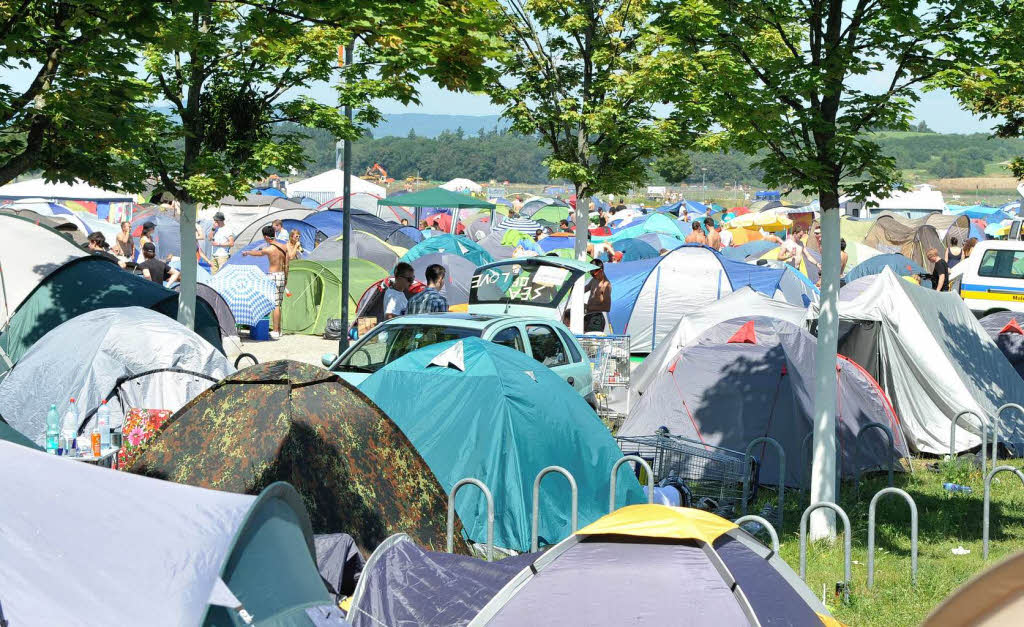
547	348
510	337
1002	264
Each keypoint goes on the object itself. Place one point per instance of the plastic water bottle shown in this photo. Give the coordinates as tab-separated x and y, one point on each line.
956	487
103	423
69	434
52	430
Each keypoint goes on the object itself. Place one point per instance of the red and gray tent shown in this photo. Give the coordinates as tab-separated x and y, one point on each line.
1006	328
751	377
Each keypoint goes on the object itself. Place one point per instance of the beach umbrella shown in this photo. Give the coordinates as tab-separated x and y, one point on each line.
249	293
523	225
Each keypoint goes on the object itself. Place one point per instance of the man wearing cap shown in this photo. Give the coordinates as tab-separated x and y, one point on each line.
155	270
221	241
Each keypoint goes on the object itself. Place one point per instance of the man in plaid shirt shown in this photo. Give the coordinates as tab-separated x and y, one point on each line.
430	299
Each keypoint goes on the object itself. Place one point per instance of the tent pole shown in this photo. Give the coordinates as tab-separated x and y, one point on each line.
346	224
823	465
189	263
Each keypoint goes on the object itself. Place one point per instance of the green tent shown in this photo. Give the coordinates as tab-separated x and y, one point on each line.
86	284
8	433
500	416
437	197
315	288
512	237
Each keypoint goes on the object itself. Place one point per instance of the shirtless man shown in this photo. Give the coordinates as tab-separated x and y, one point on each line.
277	257
714	239
697	235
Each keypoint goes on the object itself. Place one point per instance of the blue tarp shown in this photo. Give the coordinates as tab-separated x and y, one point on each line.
501	418
634	249
899	264
981	212
556	242
750	250
330	222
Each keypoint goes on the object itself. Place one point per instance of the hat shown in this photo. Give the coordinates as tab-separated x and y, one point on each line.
148	225
218	216
148	247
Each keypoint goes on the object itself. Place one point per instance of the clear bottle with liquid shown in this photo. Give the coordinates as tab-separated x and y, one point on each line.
103	421
52	430
69	430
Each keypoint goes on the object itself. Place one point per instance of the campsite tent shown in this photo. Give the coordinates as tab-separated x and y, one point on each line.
452	245
363	201
895	234
635	249
55	284
331	184
71	224
166	234
1006	330
462	185
691	326
159	566
109	205
640	565
283	420
364	246
934	360
493	244
500	416
458	275
315	288
331	223
108	345
893	261
749	251
649	296
754	376
241	212
651	223
252	231
436	198
221	309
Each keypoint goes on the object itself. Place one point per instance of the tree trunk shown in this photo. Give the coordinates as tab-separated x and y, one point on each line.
582	221
824	469
187	291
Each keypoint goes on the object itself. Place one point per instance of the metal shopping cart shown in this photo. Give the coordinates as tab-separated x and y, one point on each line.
713	475
609	362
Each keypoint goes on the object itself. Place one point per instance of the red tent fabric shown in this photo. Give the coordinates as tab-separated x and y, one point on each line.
1012	327
744	335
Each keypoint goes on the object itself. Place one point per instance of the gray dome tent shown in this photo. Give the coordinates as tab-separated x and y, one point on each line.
170	554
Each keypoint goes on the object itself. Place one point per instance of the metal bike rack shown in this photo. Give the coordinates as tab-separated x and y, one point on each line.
988	502
871	533
984	438
534	543
615	469
490	514
242	356
856	452
782	472
764	523
995	428
847	549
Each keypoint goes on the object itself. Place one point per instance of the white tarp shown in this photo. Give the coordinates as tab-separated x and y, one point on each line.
85	356
39	188
693	324
459	185
83	545
30	254
938	361
331	184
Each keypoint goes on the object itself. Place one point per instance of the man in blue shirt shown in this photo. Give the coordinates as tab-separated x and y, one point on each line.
430	300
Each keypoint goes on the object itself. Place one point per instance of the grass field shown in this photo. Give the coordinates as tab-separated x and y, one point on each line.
946	521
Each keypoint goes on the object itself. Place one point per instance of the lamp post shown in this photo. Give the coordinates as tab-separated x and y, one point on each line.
346	222
703	186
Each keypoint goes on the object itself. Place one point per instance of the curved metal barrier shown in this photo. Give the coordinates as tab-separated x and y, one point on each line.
871	533
782	473
988	502
615	469
856	451
535	530
997	424
764	523
244	355
490	514
984	438
847	549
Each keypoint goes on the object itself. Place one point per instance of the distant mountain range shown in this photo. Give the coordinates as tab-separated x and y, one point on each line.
432	125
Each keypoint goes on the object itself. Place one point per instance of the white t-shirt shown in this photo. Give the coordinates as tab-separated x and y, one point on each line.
395	302
282	236
726	237
221	237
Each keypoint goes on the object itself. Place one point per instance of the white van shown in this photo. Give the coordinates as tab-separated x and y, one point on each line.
992	278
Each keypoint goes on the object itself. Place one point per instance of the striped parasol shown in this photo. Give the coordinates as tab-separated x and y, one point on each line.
523	225
249	293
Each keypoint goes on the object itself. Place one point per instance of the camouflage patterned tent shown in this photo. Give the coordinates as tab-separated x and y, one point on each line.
285	421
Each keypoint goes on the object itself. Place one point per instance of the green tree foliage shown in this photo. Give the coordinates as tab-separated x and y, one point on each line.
674	167
989	78
583	75
77	108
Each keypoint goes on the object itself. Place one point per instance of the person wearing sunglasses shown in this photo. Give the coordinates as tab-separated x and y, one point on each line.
395	301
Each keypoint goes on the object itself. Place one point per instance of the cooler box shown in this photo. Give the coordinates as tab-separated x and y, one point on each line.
260	331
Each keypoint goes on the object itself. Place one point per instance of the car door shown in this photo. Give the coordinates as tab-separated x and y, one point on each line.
547	347
510	336
582	371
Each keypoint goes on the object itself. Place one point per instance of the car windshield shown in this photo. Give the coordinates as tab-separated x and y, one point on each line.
522	283
388	342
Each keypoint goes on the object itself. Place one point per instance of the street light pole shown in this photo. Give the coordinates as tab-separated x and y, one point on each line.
703	186
346	223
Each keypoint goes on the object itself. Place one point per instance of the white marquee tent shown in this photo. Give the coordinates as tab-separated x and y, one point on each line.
458	185
79	190
331	184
